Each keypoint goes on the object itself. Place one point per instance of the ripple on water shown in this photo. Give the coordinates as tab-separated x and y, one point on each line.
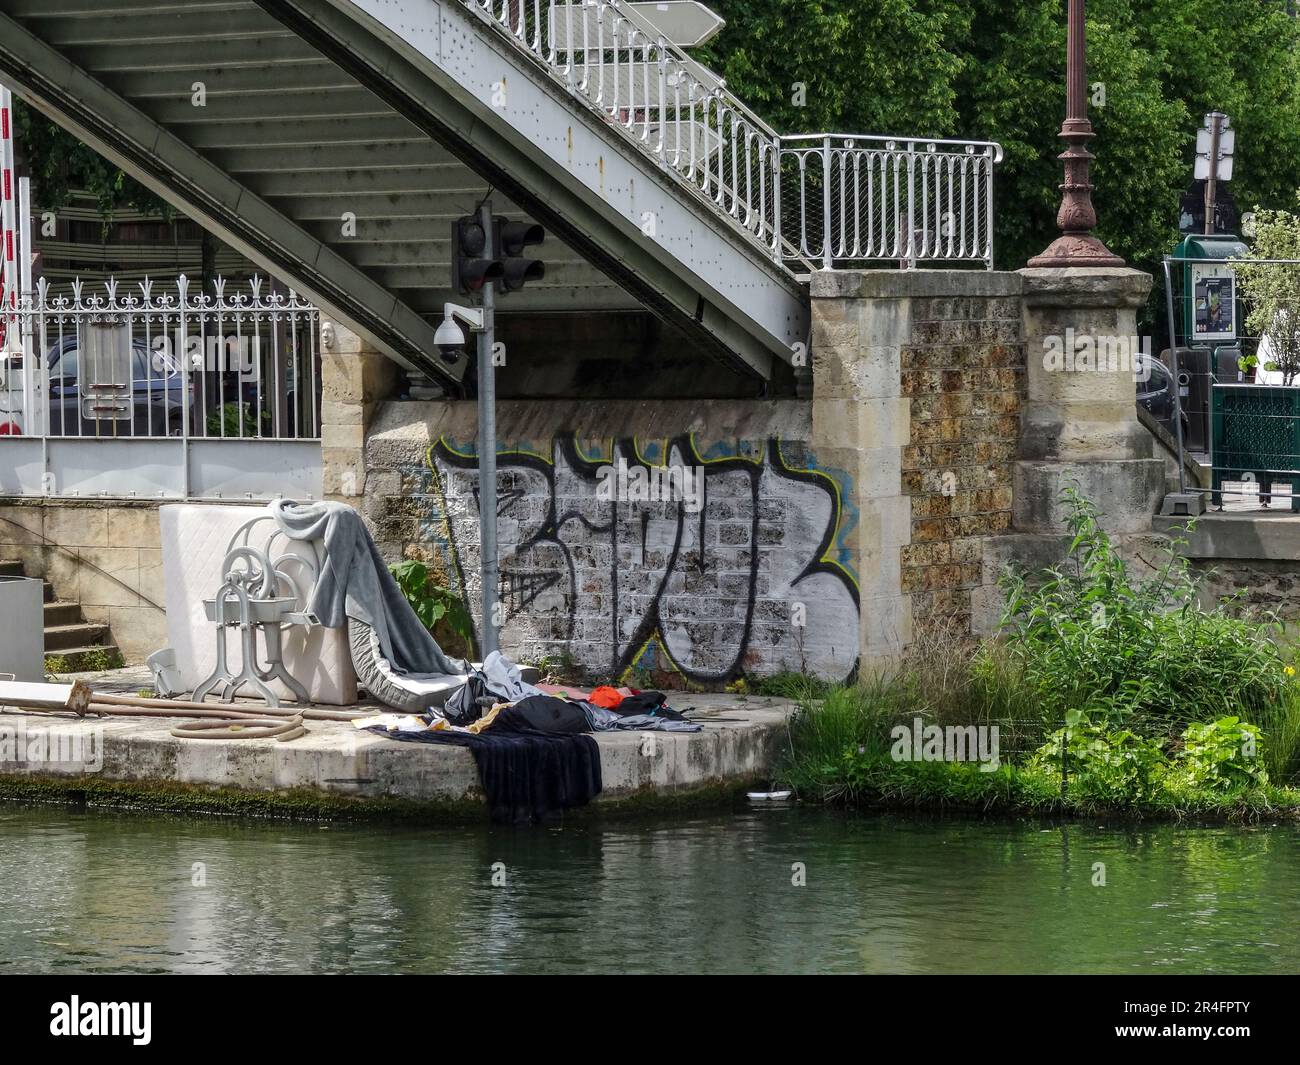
774	890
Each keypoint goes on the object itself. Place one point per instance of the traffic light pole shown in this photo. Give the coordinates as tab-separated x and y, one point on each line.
487	458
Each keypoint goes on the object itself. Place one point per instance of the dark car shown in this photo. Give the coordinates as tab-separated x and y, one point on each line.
1155	391
158	395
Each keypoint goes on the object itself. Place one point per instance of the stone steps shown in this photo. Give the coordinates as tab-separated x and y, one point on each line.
72	643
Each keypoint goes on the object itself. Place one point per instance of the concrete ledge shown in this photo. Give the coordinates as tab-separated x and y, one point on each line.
1088	286
1126	492
739	743
1257	535
919	284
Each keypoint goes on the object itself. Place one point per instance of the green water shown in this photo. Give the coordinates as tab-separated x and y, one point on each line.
97	892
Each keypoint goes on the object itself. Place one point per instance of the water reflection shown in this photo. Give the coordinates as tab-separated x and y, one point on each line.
105	892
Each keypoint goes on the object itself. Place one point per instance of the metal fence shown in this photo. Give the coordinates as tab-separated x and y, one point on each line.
852	199
816	201
1230	407
159	389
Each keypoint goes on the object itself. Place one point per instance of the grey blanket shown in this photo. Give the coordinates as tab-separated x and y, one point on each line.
354	582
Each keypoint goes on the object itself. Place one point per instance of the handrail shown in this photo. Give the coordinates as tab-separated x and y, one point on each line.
678	113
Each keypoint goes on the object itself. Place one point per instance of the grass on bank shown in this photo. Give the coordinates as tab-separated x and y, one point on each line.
1109	690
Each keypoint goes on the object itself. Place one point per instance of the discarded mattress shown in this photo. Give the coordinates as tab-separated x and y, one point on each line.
195	537
401	691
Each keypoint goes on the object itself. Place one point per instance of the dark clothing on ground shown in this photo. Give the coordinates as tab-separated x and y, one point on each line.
526	776
544	713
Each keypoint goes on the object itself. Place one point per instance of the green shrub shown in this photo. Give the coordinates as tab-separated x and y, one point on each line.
225	421
1135	652
834	740
789	685
432	604
1102	765
1224	755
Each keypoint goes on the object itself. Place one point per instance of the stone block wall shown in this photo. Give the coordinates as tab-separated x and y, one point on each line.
919	378
935	386
354	379
963	372
759	579
105	555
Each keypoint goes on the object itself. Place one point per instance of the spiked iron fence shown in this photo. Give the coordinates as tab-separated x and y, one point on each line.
159	390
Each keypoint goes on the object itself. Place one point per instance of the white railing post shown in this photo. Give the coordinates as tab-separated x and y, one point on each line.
988	209
826	203
776	199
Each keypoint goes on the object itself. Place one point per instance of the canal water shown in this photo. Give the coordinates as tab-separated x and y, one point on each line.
777	890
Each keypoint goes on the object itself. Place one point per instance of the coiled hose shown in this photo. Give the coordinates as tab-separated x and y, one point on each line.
221	722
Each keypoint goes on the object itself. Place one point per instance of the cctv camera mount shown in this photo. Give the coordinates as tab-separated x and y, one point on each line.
449	337
471	316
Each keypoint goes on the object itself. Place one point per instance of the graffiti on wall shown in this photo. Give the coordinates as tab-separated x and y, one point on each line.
653	554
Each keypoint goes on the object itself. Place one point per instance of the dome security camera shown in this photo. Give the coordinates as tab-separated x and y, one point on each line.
450	339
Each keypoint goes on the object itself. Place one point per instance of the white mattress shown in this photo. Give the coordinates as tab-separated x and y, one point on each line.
195	537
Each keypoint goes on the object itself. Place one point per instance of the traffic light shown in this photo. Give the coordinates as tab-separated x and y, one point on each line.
469	269
509	240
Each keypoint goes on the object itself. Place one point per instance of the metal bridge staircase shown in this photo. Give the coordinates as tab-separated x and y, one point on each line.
331	142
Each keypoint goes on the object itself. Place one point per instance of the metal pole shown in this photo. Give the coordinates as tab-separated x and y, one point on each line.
1173	369
1212	175
187	392
487	455
31	357
1076	246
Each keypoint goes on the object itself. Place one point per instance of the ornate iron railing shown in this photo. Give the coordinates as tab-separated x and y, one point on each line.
154	360
157	390
817	201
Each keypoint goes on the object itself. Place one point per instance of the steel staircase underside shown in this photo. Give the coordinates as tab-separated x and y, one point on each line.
334	161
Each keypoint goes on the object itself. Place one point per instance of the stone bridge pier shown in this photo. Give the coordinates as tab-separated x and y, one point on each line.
948	411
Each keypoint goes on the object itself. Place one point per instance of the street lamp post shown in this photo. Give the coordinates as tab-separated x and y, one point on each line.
1076	246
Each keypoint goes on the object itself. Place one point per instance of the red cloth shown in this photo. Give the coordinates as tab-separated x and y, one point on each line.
605	696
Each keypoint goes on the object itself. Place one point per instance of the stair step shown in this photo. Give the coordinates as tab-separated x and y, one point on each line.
50	597
78	634
83	659
11	568
60	612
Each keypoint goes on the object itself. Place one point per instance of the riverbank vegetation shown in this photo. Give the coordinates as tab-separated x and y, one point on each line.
1104	688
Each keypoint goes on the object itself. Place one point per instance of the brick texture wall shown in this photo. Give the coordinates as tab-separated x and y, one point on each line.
963	372
756	581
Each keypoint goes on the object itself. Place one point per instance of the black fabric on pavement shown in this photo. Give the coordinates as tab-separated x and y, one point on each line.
526	775
543	713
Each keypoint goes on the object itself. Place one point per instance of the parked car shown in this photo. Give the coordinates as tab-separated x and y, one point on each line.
158	395
1155	390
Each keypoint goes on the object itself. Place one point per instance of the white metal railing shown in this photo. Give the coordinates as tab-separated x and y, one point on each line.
817	201
153	371
854	198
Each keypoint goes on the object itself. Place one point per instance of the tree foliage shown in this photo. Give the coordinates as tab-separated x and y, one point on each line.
1272	290
60	164
995	70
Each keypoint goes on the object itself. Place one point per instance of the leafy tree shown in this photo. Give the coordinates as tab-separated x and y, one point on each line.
1272	290
995	70
60	164
882	67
